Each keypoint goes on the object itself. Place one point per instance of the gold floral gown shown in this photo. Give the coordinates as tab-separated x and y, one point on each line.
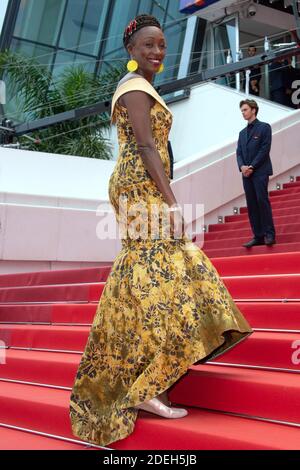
163	308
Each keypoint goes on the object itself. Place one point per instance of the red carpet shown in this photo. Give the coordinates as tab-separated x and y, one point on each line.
248	398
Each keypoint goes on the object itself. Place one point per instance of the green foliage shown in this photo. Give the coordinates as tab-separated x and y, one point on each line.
36	94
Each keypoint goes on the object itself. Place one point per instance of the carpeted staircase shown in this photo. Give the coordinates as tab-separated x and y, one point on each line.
249	398
226	239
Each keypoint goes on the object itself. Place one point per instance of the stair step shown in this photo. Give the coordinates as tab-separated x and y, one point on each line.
54	277
30	366
38	408
238	240
283	192
266	349
288	205
65	338
92	292
286	286
272	315
294	184
77	313
262	348
276	315
271	263
255	250
243	391
247	233
12	439
277	214
87	292
241	221
47	410
284	197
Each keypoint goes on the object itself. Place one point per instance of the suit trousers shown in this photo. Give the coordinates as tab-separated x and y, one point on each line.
258	204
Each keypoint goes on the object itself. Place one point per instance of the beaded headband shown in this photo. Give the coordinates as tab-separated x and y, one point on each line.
131	28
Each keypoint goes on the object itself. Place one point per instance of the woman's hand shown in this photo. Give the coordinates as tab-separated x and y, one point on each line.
177	224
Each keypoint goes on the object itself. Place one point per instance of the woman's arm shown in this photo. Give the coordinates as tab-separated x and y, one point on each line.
138	104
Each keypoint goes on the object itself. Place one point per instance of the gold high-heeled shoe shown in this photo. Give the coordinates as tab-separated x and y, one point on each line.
157	407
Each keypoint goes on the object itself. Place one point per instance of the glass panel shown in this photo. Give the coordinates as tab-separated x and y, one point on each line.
280	73
200	56
67	59
42	53
13	108
39	20
114	46
174	31
83	25
145	7
160	7
174	37
14	105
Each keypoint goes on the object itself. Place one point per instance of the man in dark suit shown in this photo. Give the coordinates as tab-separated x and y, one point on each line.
253	158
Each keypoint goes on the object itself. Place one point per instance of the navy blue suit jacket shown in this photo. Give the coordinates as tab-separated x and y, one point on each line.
255	149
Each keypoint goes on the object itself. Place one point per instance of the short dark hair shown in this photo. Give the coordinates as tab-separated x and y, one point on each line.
252	45
251	103
138	23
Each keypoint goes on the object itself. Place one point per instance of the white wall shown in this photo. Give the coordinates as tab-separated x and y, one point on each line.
50	207
72	181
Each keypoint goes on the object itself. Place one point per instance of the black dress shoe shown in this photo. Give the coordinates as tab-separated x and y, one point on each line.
270	240
253	242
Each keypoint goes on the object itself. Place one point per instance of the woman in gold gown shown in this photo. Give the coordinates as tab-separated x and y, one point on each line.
164	306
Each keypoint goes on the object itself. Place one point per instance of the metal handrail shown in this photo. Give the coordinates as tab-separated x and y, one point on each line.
164	89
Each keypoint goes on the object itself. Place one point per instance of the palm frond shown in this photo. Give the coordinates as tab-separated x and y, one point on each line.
39	95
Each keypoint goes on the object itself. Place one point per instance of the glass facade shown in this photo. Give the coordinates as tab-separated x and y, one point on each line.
89	32
60	33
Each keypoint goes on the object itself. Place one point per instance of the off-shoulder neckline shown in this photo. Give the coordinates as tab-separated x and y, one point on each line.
153	92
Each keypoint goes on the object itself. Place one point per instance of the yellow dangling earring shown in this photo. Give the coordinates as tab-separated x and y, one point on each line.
132	65
161	68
